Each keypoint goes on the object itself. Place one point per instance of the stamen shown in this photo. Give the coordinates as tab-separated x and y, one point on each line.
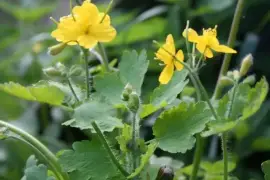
51	18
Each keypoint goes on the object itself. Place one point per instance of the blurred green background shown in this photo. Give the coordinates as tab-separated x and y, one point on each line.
25	36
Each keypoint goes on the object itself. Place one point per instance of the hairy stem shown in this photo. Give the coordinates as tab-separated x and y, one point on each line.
105	60
110	152
43	150
231	41
87	75
225	155
135	136
72	90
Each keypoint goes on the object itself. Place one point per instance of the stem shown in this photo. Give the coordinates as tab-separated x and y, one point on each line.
43	150
107	147
231	41
72	90
105	60
87	75
225	155
197	157
135	135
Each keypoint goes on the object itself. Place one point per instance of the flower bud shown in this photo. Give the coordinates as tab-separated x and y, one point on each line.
246	64
250	80
133	102
230	74
165	173
126	92
75	71
52	72
226	81
236	75
56	49
61	67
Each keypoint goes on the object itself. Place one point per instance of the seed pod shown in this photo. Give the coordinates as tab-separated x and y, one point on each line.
56	49
226	81
246	64
165	173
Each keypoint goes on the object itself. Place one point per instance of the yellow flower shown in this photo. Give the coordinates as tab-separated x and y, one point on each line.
166	54
86	27
207	42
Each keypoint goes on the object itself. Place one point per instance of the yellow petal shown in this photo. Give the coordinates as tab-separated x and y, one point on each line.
102	32
168	49
166	74
192	35
206	51
180	57
86	13
87	41
223	48
106	20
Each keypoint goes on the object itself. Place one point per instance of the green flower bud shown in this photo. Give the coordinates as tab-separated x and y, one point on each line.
230	74
56	49
75	71
126	92
250	80
236	75
165	173
226	81
246	64
52	72
133	102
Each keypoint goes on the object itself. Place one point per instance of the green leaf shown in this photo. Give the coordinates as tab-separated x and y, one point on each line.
168	92
261	144
266	169
216	127
133	67
148	109
175	128
41	93
101	113
125	137
35	172
88	160
110	86
217	167
144	160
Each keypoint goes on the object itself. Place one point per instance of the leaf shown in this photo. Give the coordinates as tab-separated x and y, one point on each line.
217	167
148	109
41	93
216	127
125	137
110	86
175	128
88	160
92	111
35	172
261	144
266	169
167	93
133	67
144	160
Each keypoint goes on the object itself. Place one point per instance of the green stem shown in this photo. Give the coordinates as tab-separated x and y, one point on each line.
72	90
197	157
135	136
231	41
225	155
105	60
87	75
44	151
107	147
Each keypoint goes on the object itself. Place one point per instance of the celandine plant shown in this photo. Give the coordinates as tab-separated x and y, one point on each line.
108	105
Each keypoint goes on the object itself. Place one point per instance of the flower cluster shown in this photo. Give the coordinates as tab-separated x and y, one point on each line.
85	26
205	43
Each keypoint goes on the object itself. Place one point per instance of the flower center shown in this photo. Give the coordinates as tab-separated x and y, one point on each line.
210	32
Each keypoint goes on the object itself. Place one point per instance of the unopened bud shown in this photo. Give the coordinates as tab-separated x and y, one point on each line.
246	64
165	173
126	92
226	81
133	102
250	80
230	74
236	74
75	71
51	72
56	49
61	67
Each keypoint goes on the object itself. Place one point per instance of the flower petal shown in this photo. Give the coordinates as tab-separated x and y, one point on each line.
192	35
102	32
87	41
106	19
180	57
166	74
206	51
87	13
168	49
224	49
